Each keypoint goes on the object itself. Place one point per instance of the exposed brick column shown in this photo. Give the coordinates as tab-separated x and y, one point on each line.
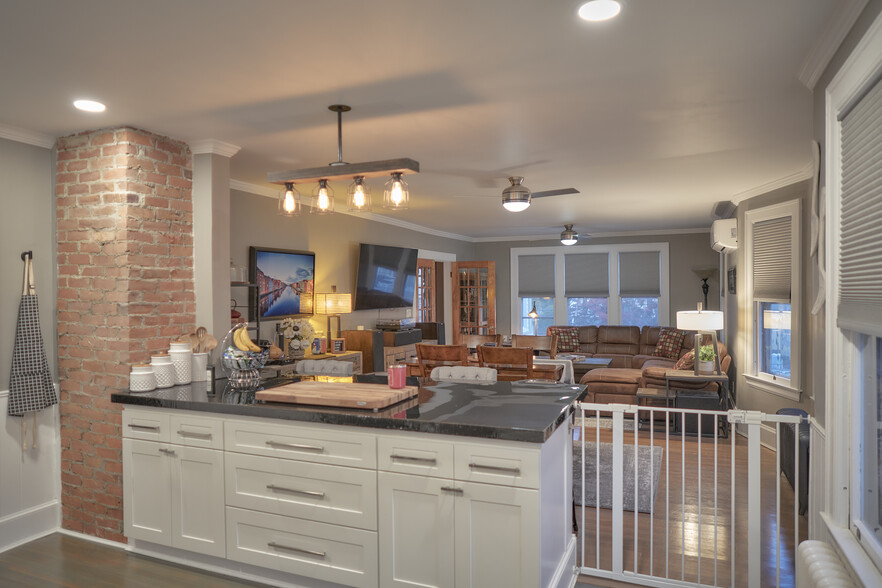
125	288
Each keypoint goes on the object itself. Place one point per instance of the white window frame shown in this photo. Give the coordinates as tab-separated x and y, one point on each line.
844	394
614	306
789	389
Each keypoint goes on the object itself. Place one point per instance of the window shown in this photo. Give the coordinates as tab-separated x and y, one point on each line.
772	244
871	486
425	290
623	284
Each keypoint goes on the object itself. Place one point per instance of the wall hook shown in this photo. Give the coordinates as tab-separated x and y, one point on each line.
28	254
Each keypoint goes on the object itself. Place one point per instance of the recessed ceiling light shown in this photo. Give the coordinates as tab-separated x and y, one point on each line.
89	105
596	10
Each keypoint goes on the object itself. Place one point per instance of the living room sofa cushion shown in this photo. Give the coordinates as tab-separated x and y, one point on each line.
567	338
618	340
588	340
669	343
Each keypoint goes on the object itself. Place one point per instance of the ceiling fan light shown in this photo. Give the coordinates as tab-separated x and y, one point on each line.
396	195
597	10
569	236
359	196
322	199
289	201
516	197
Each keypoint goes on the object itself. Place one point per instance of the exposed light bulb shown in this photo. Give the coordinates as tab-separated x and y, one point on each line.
358	197
323	200
289	201
397	194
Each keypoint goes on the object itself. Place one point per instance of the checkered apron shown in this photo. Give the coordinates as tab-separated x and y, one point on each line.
30	382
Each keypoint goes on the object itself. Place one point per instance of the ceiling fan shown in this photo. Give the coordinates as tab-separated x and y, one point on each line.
517	197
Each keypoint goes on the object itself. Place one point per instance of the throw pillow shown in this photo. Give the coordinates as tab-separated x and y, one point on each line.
669	343
687	362
567	338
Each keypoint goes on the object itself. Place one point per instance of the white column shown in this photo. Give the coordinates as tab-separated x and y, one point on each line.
211	234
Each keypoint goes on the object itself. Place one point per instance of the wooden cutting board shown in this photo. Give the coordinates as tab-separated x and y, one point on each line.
339	394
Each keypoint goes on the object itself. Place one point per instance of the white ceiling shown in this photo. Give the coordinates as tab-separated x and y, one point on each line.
654	116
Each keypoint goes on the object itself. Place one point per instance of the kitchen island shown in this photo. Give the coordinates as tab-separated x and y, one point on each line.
462	485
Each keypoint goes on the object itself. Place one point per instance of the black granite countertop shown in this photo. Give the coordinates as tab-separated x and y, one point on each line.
517	411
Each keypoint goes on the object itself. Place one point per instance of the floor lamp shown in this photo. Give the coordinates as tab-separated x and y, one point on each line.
702	321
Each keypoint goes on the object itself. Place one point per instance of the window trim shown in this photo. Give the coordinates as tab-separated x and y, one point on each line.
766	382
614	307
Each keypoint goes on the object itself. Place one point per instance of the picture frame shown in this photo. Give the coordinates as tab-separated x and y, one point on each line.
338	346
730	280
285	283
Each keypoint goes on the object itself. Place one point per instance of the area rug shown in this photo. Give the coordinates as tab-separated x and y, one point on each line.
647	488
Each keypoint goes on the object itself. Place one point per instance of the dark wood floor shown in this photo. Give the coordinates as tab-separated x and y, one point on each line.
62	560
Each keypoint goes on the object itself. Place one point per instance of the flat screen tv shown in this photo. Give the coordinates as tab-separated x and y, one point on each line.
386	277
285	282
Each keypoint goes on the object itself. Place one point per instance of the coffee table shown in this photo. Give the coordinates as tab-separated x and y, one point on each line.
582	365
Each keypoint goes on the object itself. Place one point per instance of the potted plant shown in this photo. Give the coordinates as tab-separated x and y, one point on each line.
298	335
706	359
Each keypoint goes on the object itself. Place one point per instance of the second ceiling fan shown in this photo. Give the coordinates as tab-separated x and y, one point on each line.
517	197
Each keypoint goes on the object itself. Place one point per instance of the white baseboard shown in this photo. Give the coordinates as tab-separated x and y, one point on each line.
93	539
21	527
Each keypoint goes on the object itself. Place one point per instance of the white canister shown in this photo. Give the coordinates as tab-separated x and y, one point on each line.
163	370
181	358
141	379
199	367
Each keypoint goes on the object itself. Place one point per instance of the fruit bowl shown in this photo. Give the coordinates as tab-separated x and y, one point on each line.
241	358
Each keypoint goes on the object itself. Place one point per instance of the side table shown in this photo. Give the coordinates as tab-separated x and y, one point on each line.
689	376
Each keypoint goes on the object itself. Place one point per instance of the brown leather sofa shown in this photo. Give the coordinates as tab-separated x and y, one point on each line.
633	366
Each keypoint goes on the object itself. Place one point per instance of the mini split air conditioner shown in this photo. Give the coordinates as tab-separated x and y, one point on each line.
724	235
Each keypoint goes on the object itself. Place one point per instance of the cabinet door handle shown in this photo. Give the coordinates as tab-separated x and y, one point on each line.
477	466
295	446
452	489
297	549
295	491
194	435
144	428
167	451
429	460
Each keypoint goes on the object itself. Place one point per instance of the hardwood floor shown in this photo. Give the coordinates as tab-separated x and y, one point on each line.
688	539
62	560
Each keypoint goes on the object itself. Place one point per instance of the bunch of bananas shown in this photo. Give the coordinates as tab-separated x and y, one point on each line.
243	341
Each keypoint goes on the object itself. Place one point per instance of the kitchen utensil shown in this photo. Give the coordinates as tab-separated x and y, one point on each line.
200	338
209	344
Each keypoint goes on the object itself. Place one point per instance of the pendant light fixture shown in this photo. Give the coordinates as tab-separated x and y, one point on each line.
289	201
569	236
396	194
359	196
516	197
322	198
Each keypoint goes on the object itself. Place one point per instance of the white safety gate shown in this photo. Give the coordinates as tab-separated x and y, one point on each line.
682	500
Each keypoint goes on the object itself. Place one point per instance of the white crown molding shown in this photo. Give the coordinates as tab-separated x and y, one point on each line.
214	147
592	235
828	42
26	136
803	174
274	193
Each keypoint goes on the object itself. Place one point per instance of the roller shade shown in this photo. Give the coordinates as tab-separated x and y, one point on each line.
639	274
772	259
860	263
535	276
587	275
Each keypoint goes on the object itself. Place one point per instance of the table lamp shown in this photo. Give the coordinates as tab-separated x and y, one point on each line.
702	321
333	304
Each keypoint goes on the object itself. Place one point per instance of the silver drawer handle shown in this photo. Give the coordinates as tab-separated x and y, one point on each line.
297	549
477	466
144	428
295	446
452	489
430	460
167	451
295	491
196	435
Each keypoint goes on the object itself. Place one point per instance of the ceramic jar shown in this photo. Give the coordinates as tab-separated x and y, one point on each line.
199	367
182	358
163	370
141	379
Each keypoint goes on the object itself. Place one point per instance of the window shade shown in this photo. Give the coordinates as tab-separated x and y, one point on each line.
860	241
639	274
587	275
772	259
535	276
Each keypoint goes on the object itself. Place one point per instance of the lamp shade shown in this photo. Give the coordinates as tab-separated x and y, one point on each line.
700	320
333	303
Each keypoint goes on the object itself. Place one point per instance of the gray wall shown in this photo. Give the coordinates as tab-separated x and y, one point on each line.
334	239
685	252
27	193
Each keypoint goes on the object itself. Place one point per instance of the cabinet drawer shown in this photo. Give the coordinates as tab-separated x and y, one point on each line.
318	492
316	444
145	424
497	464
315	550
196	431
408	455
